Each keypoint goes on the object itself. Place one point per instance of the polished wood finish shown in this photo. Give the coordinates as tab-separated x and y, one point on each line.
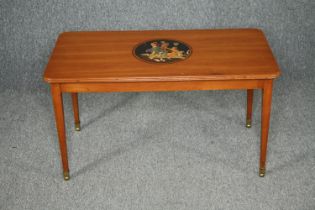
223	59
60	124
75	106
265	118
224	54
161	86
250	95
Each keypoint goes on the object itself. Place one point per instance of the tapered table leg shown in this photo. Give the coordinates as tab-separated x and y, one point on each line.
60	124
75	105
265	118
250	94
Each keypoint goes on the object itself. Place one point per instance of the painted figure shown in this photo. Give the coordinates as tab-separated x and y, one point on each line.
165	51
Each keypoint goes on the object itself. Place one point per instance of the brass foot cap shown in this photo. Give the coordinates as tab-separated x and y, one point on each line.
248	123
66	175
262	172
77	126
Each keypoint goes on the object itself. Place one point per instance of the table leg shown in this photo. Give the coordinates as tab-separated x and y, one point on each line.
75	105
250	94
60	124
265	118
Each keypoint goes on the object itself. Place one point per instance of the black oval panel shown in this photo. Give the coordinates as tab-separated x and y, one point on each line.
162	51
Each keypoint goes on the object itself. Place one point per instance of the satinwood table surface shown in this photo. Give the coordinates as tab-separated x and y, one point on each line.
107	57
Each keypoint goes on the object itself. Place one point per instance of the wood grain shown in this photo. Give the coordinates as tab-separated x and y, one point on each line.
250	97
265	119
60	124
223	54
75	107
162	86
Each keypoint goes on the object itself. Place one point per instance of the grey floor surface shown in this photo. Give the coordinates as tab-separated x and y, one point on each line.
174	150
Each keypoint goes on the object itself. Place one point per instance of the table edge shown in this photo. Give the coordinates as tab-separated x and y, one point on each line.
163	79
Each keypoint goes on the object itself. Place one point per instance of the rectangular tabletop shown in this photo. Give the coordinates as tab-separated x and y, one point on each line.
222	54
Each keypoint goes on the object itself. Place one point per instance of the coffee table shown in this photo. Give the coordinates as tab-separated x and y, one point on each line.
161	60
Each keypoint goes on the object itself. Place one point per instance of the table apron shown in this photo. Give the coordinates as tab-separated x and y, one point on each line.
162	86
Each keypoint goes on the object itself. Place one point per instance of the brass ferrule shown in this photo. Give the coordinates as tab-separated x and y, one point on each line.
248	123
66	175
77	126
262	172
